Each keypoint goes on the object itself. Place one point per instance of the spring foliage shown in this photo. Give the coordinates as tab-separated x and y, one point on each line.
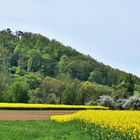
54	73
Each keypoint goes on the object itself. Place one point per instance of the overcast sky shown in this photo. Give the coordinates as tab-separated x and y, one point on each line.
108	30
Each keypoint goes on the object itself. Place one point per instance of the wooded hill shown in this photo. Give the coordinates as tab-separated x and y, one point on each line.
36	69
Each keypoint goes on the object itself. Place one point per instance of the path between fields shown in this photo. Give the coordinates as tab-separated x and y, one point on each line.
31	114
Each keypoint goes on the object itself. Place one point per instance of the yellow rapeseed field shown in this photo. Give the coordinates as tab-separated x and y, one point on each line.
123	121
46	106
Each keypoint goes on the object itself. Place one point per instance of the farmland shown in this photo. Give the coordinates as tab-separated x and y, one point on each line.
47	106
69	125
127	122
12	115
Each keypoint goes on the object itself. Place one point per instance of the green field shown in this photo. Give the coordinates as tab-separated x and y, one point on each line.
48	130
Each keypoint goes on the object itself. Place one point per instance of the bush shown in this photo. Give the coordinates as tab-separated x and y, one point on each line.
132	103
106	101
17	92
119	103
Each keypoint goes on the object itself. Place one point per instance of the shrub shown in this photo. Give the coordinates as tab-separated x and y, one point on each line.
132	103
17	92
106	101
119	103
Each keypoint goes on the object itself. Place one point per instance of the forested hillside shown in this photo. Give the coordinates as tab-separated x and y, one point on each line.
36	69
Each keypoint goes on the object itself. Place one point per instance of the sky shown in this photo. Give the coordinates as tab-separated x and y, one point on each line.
107	30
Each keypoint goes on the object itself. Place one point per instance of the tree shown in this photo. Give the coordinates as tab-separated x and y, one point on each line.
79	69
62	64
35	61
120	93
48	65
71	92
125	89
96	76
4	76
17	92
86	90
130	84
33	80
50	87
92	91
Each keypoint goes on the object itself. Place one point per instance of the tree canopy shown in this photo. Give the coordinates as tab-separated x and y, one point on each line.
34	68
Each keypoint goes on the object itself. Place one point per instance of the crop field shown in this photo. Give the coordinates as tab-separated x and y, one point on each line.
67	124
47	106
126	122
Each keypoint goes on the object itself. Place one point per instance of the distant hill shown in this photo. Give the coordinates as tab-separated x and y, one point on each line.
22	53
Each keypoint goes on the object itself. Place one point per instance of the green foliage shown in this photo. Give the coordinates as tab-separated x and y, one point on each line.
33	80
30	130
96	76
55	72
130	84
17	92
105	75
78	69
62	64
125	89
92	91
71	92
35	61
49	89
4	75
